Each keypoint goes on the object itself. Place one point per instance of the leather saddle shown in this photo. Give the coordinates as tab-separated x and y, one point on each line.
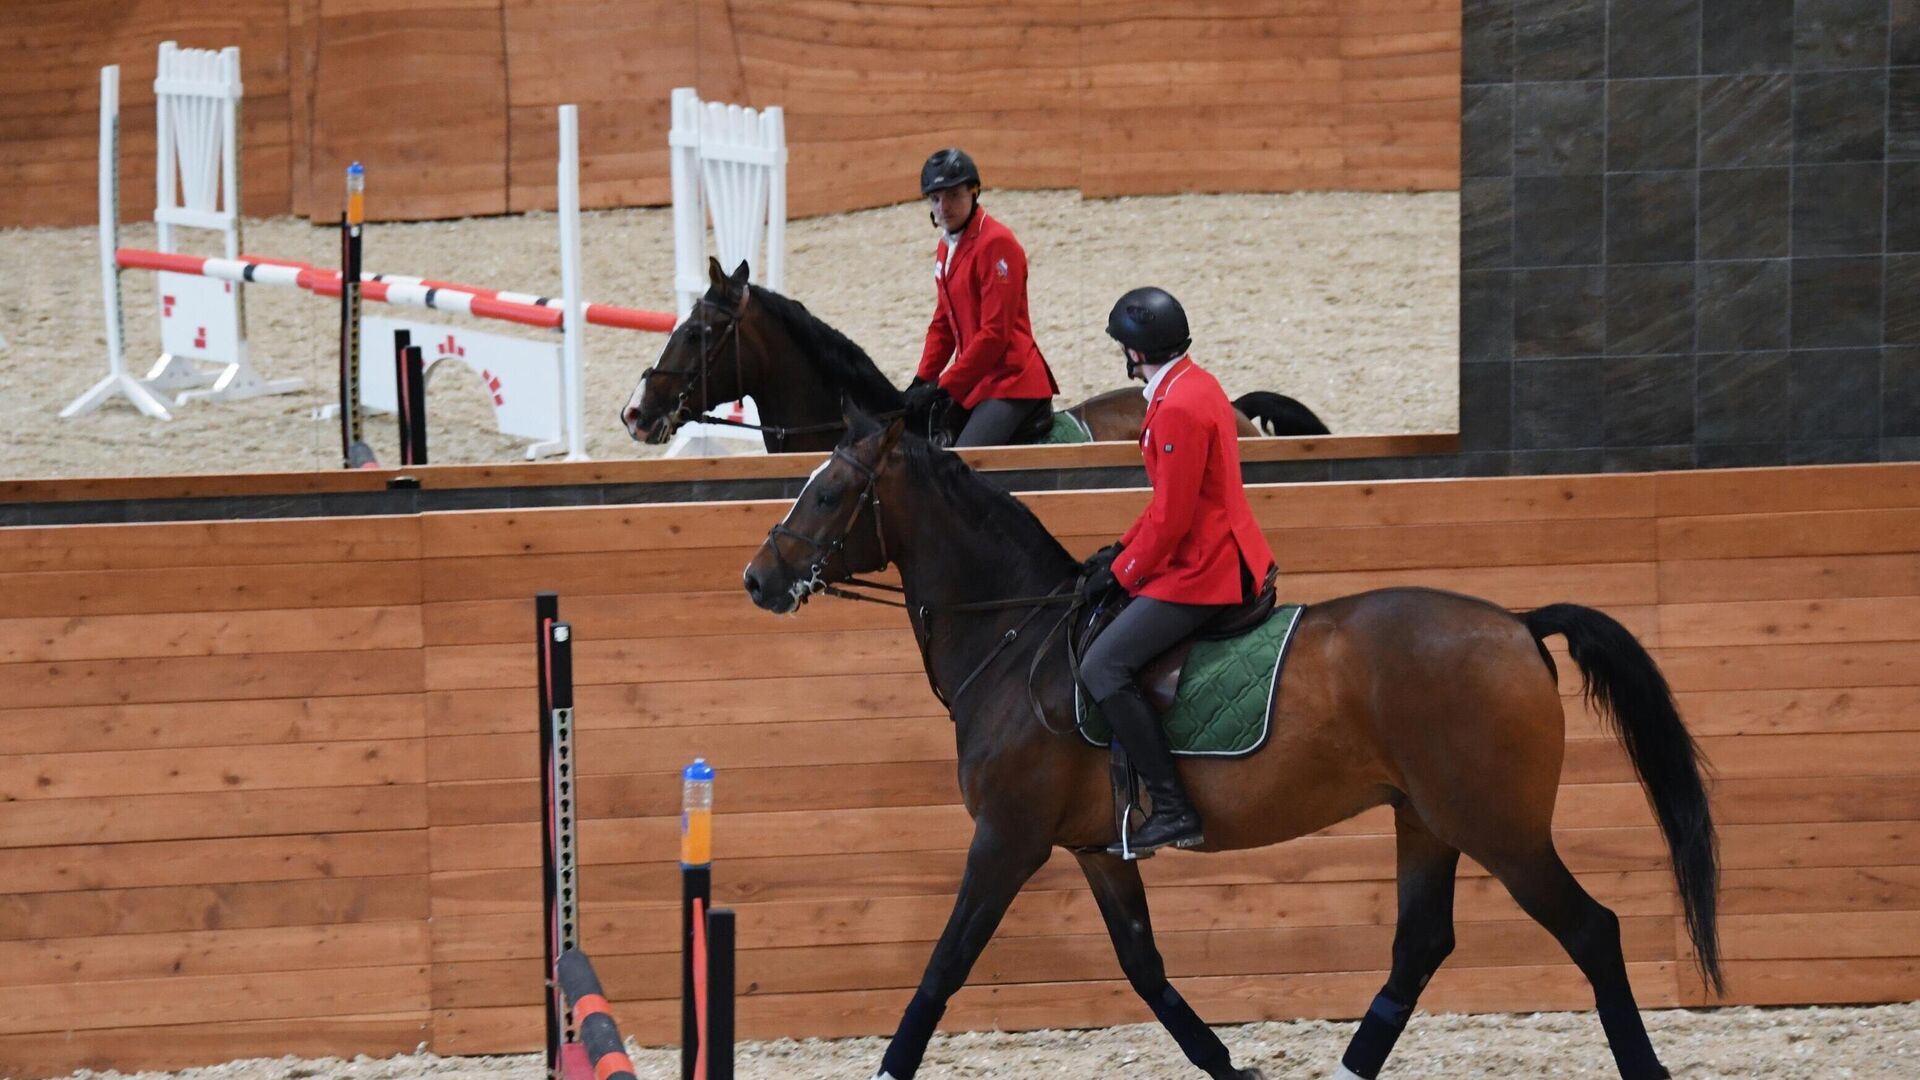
1160	679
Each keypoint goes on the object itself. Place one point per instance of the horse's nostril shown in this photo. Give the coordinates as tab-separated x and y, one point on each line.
752	582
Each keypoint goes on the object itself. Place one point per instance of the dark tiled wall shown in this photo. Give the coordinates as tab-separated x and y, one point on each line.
1690	232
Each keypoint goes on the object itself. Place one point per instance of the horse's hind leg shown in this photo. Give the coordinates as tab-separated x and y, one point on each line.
1422	941
1123	904
1591	935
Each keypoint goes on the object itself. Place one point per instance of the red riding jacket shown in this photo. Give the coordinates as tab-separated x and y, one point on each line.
982	313
1188	544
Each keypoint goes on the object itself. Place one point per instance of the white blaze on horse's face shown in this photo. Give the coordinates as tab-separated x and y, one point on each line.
802	589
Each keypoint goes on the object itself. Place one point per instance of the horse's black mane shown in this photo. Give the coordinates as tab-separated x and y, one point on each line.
971	495
841	363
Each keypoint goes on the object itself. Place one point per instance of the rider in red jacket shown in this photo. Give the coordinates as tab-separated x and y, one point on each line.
1194	550
980	320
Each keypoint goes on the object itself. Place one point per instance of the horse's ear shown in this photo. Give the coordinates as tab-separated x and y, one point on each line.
740	274
892	438
859	424
716	276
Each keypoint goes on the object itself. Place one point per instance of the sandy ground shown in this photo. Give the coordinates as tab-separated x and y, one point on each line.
1722	1044
1346	301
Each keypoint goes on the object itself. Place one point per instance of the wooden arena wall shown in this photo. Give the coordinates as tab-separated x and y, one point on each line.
450	103
269	787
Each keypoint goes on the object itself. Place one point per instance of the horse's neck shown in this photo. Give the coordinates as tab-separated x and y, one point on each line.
783	385
947	560
801	368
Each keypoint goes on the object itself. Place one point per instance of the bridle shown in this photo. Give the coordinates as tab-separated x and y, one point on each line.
709	352
824	550
683	410
814	584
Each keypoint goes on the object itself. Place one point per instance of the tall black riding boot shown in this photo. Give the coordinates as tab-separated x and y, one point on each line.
1173	821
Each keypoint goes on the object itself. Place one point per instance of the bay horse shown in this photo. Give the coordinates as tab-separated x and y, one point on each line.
1443	706
739	342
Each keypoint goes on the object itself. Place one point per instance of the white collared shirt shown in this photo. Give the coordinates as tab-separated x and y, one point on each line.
1154	383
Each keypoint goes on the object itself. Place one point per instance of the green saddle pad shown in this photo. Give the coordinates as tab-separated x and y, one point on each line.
1066	429
1225	701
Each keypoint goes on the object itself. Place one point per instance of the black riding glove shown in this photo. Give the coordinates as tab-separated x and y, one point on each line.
1099	583
921	396
1101	560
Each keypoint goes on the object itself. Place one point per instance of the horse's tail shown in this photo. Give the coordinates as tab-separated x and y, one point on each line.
1278	414
1623	681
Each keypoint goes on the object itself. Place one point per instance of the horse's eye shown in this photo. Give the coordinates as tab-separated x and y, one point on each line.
826	499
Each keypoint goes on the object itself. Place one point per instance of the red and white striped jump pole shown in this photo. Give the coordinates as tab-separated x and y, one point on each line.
526	309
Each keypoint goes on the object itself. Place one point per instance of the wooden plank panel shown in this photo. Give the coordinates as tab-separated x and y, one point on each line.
1819	890
230	905
1763	712
58	1053
1750	491
155	772
208	634
186	999
450	158
1779	622
1821	532
174	545
1823	936
1788	578
1815	982
72	729
211	952
289	585
120	819
91	867
1890	753
1770	667
51	101
214	678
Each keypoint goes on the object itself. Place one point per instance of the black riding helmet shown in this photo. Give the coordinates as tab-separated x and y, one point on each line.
1152	323
948	168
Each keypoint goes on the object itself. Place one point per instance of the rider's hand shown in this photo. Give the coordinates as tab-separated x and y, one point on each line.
920	397
1101	560
1099	583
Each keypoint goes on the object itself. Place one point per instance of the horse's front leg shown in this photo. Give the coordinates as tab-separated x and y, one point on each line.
999	862
1123	904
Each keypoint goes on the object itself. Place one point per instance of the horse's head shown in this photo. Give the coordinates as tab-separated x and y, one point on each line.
833	531
699	367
